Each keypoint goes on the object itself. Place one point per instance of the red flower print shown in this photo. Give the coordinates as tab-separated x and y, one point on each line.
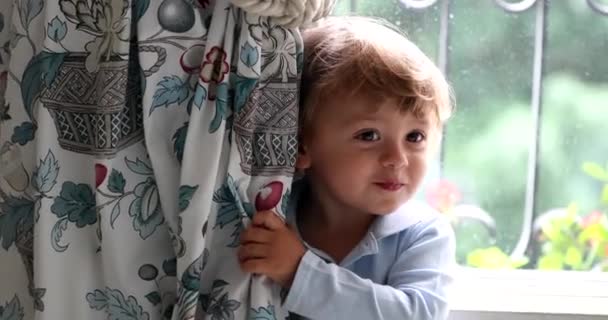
215	66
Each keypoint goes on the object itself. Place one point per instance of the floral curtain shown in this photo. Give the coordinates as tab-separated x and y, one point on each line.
137	138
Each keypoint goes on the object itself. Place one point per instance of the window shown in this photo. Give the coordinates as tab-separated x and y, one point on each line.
524	169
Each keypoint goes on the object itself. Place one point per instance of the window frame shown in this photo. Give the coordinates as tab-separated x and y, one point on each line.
529	294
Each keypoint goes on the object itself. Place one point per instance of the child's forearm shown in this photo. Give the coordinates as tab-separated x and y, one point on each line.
416	287
327	291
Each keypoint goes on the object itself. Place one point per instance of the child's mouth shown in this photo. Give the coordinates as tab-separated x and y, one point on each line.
390	186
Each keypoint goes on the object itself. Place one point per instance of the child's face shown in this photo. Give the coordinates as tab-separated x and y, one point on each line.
367	156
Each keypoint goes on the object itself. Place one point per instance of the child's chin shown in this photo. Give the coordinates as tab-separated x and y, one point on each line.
386	209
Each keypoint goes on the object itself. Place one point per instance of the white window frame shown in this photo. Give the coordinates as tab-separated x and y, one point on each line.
529	294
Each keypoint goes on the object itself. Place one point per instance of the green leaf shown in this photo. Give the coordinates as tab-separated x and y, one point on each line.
263	313
139	8
285	202
519	262
15	214
243	88
221	107
116	305
116	182
573	257
45	176
56	233
170	90
28	10
97	299
488	258
191	277
552	261
115	213
76	201
179	141
200	96
12	310
146	209
185	195
596	171
39	73
596	231
139	167
154	297
249	54
604	198
227	199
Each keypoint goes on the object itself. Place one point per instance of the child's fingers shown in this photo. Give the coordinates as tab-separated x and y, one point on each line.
256	235
253	251
268	220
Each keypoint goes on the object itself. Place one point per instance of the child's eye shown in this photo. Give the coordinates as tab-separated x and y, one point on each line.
415	137
368	136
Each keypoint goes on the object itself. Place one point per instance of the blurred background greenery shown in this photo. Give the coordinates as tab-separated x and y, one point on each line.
490	55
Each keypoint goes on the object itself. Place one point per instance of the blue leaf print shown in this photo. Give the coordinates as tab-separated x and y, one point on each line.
243	88
139	167
24	133
236	235
224	308
200	95
145	209
116	305
179	141
76	201
185	195
115	213
228	200
285	202
97	299
154	297
15	214
60	226
170	90
249	209
249	55
39	73
45	176
116	182
263	313
139	8
221	107
191	278
57	29
12	310
28	10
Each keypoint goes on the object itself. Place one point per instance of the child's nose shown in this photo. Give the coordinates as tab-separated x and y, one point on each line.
394	156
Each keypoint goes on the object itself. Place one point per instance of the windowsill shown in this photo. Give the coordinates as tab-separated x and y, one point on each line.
528	292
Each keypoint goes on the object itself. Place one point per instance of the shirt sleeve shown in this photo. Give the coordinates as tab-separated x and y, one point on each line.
416	288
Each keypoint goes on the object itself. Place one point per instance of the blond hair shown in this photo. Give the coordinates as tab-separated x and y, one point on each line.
357	56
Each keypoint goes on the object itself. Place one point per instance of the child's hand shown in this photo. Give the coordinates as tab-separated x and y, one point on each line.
270	247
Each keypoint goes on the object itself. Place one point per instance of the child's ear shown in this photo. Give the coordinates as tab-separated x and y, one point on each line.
303	160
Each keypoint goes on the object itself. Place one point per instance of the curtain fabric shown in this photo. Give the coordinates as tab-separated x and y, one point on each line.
137	138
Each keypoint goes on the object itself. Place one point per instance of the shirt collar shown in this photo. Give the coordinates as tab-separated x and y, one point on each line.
409	214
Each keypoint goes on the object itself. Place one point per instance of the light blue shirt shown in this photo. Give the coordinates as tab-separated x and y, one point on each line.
400	270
